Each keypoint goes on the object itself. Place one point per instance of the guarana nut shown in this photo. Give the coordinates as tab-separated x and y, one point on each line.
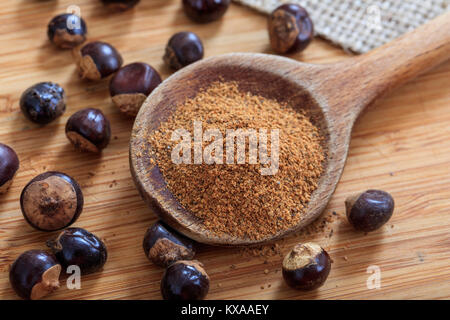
203	11
51	201
183	49
9	164
35	274
77	246
43	102
306	267
67	30
89	130
131	85
163	246
290	28
185	280
370	210
97	60
120	5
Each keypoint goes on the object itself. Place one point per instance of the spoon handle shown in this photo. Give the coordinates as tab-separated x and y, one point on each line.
357	82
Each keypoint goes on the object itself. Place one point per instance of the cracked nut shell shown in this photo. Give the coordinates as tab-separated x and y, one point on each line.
67	30
43	102
77	246
131	85
97	60
89	130
185	280
51	201
9	164
290	28
163	246
306	267
34	274
120	5
183	49
370	210
204	11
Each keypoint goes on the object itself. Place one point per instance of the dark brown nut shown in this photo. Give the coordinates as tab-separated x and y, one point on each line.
97	60
79	247
306	267
369	210
131	85
120	5
43	102
67	31
185	280
163	246
51	201
89	130
9	164
34	274
290	28
183	49
203	11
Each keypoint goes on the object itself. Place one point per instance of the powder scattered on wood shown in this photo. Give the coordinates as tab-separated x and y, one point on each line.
235	199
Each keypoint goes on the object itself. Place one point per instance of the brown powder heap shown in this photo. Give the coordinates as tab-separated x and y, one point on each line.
235	199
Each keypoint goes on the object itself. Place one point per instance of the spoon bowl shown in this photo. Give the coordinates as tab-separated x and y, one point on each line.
332	95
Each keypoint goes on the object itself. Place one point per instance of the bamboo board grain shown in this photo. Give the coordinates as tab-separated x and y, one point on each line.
401	145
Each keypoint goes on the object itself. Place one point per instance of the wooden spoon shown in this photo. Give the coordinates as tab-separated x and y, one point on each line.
333	94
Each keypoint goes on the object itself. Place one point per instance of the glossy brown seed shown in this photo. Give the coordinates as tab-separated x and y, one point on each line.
79	247
290	29
163	246
120	5
89	130
67	31
9	164
185	280
131	85
306	267
43	102
369	210
34	274
51	201
203	11
183	49
97	60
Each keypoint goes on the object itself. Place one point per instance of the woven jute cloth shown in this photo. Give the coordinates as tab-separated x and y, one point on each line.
361	25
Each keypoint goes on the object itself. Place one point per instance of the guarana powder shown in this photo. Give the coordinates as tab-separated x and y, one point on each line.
236	199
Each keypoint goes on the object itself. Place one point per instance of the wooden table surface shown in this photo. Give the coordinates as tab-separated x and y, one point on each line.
401	145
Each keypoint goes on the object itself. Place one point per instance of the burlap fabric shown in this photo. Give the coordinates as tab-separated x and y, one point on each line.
361	25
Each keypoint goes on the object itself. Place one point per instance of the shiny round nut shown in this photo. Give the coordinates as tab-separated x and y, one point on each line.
120	5
9	164
369	210
79	247
34	274
131	85
306	267
51	201
290	29
185	280
183	49
67	30
89	130
163	246
97	60
203	11
43	102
